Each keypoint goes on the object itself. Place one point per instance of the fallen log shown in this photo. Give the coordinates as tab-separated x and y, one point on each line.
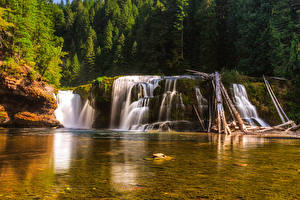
204	75
284	124
294	128
237	116
199	118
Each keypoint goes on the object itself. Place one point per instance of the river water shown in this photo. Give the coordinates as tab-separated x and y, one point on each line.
96	164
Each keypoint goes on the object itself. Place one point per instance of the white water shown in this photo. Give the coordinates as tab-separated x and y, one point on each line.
130	106
246	109
131	96
72	113
170	98
202	102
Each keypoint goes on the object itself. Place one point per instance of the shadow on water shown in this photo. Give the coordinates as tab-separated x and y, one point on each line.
101	164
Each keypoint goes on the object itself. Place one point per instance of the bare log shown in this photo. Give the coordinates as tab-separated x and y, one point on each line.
284	124
221	119
204	75
240	122
279	78
276	103
295	128
199	118
219	101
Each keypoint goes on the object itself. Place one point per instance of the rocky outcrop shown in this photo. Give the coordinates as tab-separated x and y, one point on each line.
26	101
99	93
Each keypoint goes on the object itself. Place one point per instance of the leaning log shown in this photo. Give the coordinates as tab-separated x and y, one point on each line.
237	116
276	102
221	119
199	118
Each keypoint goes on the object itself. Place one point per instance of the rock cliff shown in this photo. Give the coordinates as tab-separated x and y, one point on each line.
26	100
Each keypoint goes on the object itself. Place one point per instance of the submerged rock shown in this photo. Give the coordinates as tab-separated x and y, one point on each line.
159	157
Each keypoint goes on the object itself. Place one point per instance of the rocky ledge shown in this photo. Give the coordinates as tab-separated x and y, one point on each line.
26	101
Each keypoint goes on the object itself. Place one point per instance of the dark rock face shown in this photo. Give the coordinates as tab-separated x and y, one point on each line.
25	102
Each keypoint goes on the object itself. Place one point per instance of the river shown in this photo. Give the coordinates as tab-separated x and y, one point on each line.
101	164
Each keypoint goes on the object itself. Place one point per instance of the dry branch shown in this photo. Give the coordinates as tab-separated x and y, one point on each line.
199	118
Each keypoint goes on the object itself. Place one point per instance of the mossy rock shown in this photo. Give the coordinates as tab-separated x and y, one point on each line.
83	91
101	95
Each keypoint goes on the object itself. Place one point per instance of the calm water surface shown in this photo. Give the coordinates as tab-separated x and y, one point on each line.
95	164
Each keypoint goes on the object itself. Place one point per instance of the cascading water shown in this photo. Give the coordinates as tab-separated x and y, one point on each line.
170	98
132	95
130	105
246	109
72	113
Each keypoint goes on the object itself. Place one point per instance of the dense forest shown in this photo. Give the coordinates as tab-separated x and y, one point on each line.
71	43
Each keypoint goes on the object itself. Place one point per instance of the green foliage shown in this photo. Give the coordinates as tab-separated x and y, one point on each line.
102	38
32	38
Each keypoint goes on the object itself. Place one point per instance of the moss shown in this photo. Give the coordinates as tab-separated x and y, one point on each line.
102	88
101	93
83	91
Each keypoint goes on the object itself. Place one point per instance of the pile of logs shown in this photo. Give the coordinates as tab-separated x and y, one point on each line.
237	122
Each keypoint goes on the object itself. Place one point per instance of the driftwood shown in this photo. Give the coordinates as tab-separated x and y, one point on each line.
234	110
284	124
278	78
221	119
279	109
199	118
204	75
221	124
294	128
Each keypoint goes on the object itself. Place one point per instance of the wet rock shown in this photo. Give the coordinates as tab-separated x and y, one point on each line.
241	164
159	155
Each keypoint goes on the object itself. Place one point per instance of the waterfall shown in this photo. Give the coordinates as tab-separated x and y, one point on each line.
246	109
130	106
202	103
131	96
170	98
71	111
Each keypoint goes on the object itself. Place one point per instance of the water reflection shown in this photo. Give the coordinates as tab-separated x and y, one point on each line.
124	167
62	151
66	164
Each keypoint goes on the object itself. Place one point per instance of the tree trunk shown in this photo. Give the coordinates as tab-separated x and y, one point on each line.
182	40
221	119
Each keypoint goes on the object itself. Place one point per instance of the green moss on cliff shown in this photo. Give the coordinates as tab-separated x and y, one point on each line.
83	91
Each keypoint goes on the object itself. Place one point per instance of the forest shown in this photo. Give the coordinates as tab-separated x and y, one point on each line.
72	43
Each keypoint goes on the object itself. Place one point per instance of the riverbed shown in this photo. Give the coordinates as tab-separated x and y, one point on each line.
102	164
